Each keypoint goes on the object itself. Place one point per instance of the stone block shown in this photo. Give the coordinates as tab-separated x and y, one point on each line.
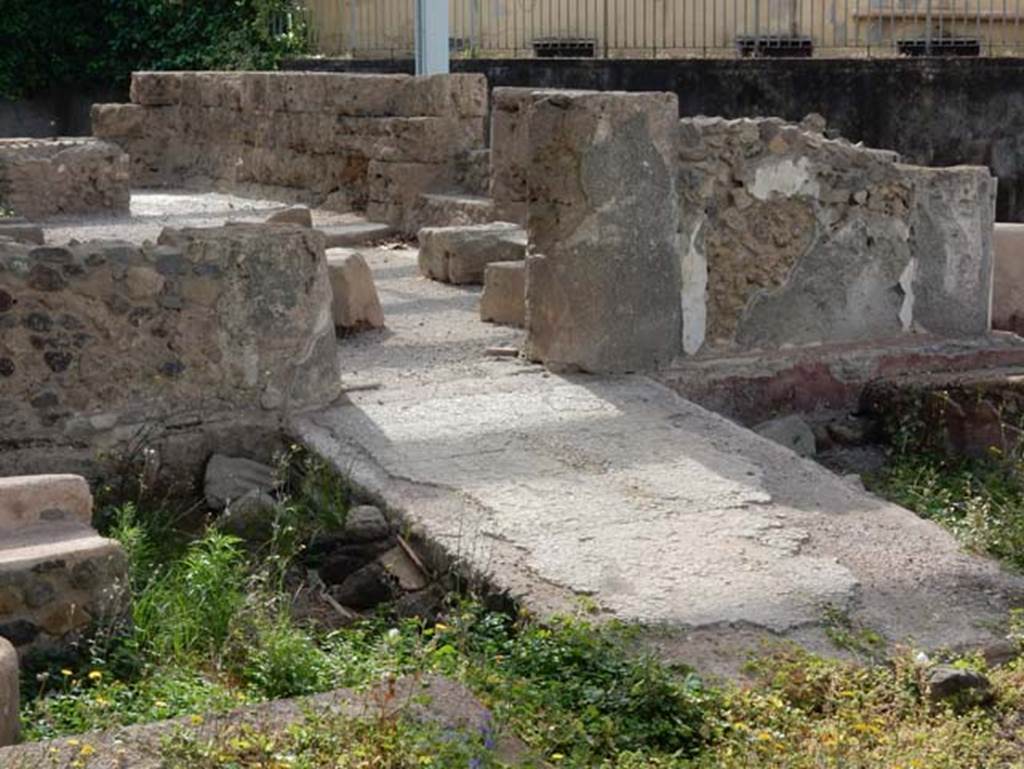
366	95
439	209
230	478
22	232
462	95
951	221
9	694
504	296
155	89
56	581
33	499
359	234
603	275
460	254
1008	280
356	304
510	151
116	121
299	216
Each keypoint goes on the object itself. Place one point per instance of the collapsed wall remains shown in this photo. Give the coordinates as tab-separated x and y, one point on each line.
102	340
41	178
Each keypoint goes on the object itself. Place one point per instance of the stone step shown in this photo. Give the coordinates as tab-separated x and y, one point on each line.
460	254
504	296
22	232
356	234
55	579
31	499
451	209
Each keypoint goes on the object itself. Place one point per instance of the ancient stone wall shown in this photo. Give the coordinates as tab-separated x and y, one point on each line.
790	238
101	340
372	142
40	178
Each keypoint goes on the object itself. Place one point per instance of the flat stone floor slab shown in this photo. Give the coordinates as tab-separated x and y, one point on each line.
152	210
619	491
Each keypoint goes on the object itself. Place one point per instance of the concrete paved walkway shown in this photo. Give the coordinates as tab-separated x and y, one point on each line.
655	509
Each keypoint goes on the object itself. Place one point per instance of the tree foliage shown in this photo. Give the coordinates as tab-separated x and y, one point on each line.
84	42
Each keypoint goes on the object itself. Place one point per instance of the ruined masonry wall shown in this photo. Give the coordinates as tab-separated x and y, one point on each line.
40	178
373	142
790	238
99	340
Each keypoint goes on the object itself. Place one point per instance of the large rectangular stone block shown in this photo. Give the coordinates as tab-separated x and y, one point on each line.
510	151
1008	278
117	121
155	89
603	275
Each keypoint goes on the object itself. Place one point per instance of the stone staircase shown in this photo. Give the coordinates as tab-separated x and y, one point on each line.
58	577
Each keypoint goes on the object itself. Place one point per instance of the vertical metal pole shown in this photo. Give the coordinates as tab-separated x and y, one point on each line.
606	24
432	37
928	30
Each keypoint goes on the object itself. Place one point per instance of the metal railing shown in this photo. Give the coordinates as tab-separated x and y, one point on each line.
679	28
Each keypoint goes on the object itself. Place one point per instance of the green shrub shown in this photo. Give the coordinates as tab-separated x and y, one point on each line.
284	661
80	42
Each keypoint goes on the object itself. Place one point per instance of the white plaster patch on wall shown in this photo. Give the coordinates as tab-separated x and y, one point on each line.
907	286
694	292
784	177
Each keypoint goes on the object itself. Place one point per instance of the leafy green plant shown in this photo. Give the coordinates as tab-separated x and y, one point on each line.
79	42
980	501
285	661
189	609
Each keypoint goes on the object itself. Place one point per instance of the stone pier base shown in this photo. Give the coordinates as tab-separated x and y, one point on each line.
603	275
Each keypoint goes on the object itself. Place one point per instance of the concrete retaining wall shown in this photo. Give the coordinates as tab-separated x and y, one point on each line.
367	142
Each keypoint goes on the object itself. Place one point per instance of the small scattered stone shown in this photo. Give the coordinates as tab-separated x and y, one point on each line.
295	215
250	517
400	566
365	523
356	304
946	682
229	478
792	431
367	588
423	604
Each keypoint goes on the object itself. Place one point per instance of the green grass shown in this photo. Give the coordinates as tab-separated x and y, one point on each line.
212	631
979	501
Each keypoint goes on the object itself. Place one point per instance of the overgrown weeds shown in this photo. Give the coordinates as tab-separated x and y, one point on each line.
213	630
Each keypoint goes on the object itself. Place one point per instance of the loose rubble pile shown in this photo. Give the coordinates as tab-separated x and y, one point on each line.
359	566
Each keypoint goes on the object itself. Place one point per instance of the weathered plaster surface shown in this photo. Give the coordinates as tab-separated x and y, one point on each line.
811	240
